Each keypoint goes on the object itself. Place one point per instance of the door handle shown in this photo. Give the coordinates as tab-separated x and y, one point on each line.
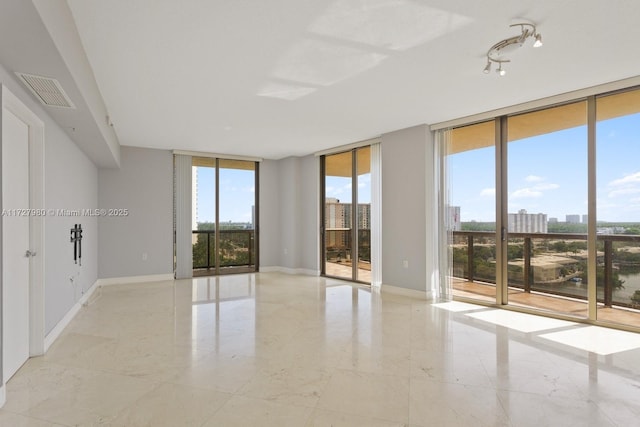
29	254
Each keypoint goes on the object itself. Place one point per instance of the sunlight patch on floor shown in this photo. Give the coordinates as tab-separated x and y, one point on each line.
520	321
457	306
595	339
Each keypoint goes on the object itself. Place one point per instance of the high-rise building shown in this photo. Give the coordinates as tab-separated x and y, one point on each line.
585	219
523	222
338	221
573	219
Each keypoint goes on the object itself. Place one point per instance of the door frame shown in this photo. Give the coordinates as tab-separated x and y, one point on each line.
36	222
354	234
216	270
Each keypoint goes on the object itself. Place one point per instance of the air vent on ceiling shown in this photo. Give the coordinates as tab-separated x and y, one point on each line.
47	90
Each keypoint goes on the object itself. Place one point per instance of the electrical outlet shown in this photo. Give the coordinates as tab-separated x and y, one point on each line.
405	263
145	256
286	251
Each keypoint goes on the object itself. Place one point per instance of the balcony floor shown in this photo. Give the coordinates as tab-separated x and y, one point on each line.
343	269
546	302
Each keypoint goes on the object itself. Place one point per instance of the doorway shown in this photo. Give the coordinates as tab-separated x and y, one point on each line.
346	215
22	234
224	216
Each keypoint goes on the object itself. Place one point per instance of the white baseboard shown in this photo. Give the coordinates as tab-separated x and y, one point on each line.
3	395
412	293
135	279
57	330
287	270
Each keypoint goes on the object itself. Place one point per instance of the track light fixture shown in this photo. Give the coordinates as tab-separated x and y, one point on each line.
498	52
538	41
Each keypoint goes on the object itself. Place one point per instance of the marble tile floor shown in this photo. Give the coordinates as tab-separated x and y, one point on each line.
271	349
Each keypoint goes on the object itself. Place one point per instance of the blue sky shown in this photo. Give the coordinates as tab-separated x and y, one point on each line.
237	194
548	174
340	188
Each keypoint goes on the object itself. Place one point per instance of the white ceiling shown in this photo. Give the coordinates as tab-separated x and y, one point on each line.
289	77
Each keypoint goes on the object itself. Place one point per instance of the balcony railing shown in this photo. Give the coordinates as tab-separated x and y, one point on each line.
521	270
338	243
237	248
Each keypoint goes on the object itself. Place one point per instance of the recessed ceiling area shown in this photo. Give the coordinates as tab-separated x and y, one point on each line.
291	77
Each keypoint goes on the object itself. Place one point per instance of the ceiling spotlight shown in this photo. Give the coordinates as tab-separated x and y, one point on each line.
538	41
501	51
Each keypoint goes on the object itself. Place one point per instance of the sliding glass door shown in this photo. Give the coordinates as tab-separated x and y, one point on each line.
544	209
471	158
224	216
618	207
546	223
346	215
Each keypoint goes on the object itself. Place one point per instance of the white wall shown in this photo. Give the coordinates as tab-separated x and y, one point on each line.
144	186
71	182
405	169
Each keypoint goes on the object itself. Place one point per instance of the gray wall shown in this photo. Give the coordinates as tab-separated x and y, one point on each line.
269	204
289	213
404	176
309	213
290	221
71	182
144	186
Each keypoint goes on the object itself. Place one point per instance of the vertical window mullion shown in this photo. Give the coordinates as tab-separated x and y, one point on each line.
591	209
501	138
217	219
354	214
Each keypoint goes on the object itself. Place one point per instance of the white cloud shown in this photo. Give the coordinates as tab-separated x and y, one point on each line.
623	192
633	178
526	193
543	187
488	192
625	187
535	190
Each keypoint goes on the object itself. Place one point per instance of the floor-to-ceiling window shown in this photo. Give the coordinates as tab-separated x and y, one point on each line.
546	220
346	214
618	206
472	210
521	213
224	216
